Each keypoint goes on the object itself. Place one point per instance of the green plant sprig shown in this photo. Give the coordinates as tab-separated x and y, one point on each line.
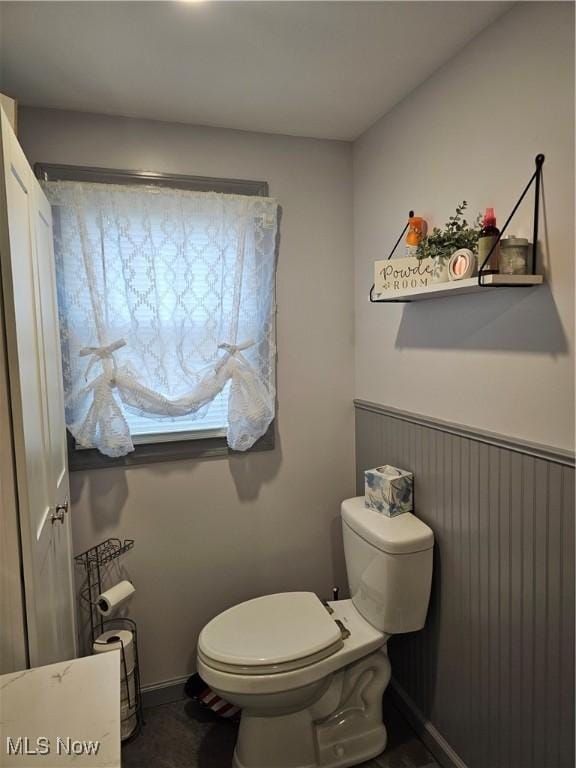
457	233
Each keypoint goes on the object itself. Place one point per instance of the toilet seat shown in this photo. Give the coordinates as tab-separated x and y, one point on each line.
270	634
363	640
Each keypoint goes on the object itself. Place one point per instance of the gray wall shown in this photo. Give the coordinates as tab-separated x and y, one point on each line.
493	670
210	533
503	361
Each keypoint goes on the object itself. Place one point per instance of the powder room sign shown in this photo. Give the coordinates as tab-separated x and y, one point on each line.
396	275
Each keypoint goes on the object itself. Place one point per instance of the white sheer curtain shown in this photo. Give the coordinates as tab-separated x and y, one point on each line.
165	296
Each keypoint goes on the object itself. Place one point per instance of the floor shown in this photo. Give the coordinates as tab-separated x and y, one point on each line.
181	735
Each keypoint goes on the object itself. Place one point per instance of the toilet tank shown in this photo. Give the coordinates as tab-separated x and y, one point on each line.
389	565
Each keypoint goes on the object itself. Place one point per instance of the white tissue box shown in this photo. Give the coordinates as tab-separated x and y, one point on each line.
389	490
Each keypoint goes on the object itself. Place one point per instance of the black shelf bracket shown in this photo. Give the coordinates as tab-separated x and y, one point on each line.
396	244
535	179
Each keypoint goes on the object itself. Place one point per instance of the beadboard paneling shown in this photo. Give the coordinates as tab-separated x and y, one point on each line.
493	670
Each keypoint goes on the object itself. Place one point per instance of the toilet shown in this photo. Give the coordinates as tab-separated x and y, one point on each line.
309	675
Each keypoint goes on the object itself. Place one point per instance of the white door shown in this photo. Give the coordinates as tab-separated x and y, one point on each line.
33	348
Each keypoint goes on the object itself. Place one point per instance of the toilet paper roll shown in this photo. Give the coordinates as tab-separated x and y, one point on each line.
125	710
128	727
113	598
116	639
128	692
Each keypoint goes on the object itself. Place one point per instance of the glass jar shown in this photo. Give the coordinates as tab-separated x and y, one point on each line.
514	256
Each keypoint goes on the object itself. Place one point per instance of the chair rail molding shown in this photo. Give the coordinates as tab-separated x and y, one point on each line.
537	450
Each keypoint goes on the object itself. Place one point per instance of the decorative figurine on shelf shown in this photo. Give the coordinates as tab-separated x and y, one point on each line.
462	264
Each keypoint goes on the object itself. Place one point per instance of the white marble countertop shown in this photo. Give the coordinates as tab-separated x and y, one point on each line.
64	714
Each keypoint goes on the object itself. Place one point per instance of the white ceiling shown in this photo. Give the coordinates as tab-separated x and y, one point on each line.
323	69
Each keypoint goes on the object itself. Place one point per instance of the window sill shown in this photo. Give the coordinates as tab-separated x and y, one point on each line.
151	453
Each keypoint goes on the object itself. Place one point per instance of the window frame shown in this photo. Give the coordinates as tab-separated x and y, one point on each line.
171	449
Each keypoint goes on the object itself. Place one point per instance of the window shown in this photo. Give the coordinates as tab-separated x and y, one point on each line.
166	295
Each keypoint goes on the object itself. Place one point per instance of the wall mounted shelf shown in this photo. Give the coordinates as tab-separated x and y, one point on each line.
484	280
458	287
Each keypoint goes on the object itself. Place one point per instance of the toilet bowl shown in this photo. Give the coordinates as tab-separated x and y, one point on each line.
309	675
289	706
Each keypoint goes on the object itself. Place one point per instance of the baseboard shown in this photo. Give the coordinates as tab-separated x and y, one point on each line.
164	693
428	734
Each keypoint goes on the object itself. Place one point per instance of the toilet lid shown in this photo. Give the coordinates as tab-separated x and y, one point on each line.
271	630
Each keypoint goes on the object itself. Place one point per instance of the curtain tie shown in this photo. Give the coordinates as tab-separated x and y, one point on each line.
232	349
100	353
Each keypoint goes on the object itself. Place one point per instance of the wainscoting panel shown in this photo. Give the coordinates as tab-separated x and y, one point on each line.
493	670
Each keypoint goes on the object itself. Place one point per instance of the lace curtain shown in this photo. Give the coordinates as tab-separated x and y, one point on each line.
166	297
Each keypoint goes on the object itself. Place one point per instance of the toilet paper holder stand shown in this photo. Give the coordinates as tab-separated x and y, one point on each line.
93	561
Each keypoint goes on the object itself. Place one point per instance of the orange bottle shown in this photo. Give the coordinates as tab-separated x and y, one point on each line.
416	231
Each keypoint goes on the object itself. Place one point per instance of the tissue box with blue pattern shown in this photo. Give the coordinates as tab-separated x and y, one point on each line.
388	490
